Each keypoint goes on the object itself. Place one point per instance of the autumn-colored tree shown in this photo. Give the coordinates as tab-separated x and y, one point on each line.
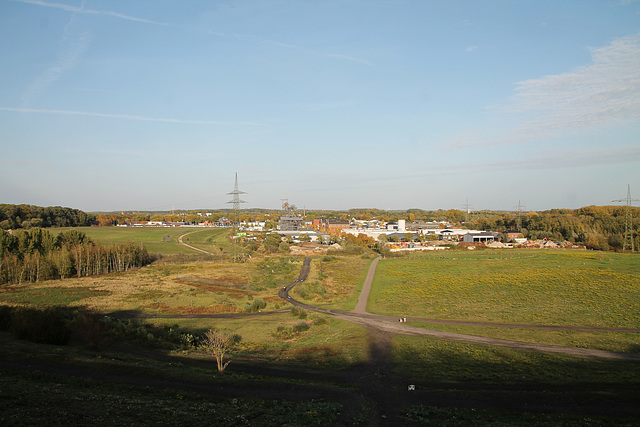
105	220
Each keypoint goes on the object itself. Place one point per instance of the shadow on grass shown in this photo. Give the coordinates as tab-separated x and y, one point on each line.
475	376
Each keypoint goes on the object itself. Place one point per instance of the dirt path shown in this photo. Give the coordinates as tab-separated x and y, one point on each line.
361	306
193	247
392	325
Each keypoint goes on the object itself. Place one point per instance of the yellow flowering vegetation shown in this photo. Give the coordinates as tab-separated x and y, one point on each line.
340	278
521	287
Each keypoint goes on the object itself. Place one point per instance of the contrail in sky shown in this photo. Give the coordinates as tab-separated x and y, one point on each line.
126	117
75	9
72	47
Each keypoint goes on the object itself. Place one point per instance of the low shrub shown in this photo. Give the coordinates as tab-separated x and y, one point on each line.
298	312
255	305
5	317
48	326
301	326
319	321
91	327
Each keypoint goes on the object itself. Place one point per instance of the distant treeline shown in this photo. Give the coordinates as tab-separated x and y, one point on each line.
596	227
27	216
33	255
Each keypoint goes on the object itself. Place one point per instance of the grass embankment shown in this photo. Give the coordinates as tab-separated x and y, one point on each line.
561	288
582	390
49	385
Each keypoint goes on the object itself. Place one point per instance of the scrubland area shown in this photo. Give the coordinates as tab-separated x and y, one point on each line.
134	353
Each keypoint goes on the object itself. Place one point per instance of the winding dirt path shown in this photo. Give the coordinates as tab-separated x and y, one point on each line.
192	247
392	325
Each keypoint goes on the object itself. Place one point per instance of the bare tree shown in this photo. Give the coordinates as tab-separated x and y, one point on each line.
217	344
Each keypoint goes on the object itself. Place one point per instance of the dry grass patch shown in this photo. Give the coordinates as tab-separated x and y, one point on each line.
213	309
184	288
204	285
342	278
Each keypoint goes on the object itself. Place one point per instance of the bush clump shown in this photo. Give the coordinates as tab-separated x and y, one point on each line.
298	312
255	305
286	333
91	328
48	326
5	317
301	326
319	321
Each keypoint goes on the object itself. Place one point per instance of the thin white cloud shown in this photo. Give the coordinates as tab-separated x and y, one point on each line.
75	9
243	37
27	163
567	158
72	46
127	117
607	90
601	95
249	38
349	58
556	159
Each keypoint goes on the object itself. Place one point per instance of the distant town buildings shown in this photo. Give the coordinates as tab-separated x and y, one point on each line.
400	235
331	225
290	223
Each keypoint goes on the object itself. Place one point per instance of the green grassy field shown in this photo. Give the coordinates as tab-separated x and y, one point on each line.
323	344
561	288
444	360
521	287
159	240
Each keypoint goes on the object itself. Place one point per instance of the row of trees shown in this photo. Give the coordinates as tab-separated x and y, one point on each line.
596	227
34	255
27	216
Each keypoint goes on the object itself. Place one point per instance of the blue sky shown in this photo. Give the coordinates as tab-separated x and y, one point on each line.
155	105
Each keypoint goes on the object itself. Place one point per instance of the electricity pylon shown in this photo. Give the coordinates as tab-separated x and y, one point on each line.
519	219
236	207
467	211
628	221
236	203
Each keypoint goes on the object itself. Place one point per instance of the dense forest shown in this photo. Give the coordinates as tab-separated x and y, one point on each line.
27	216
35	254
